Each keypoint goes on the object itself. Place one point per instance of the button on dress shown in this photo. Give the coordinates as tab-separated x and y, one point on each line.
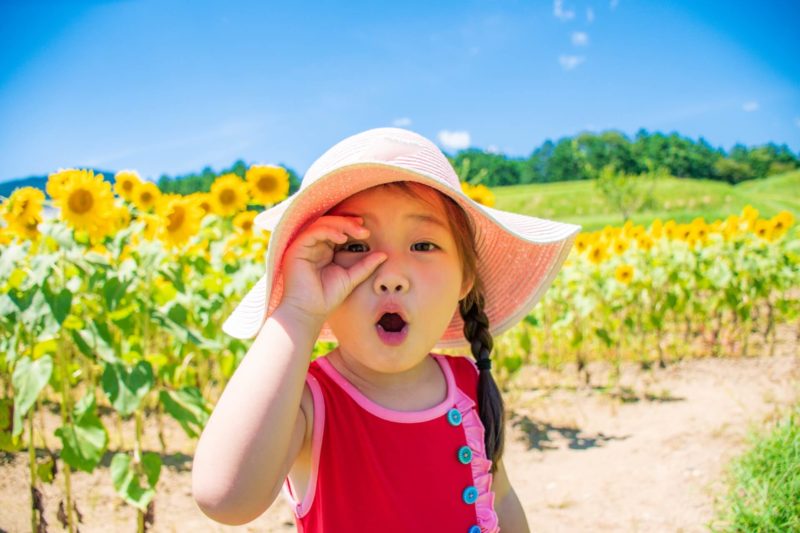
377	469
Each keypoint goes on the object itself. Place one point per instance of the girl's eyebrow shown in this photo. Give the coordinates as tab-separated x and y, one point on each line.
421	217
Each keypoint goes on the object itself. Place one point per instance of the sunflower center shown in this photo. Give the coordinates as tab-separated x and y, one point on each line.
146	197
176	218
247	225
267	184
227	196
80	201
127	186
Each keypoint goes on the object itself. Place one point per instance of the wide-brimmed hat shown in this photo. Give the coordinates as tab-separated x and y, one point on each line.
518	255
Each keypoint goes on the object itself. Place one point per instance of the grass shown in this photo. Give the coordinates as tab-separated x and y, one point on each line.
579	202
764	483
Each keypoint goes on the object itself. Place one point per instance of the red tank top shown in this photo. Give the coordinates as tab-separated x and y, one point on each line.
377	469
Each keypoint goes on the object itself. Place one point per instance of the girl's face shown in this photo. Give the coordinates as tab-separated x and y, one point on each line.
421	277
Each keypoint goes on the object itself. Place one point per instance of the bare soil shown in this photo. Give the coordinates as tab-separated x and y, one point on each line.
647	456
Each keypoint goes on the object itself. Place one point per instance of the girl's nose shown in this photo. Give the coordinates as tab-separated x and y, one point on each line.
389	279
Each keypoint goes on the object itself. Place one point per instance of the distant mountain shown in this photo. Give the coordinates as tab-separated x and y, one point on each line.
40	182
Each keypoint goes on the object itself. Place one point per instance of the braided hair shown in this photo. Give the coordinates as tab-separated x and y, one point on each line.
490	402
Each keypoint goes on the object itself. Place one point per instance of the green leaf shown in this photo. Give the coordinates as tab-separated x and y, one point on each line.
113	291
127	389
29	379
59	303
187	407
603	334
85	440
126	481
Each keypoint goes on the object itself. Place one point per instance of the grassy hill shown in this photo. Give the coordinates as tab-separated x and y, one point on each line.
579	202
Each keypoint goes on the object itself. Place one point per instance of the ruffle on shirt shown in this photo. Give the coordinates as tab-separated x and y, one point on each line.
481	465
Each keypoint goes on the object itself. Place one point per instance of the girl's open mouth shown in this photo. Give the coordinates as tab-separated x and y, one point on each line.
392	329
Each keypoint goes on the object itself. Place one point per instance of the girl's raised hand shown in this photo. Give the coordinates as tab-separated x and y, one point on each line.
313	284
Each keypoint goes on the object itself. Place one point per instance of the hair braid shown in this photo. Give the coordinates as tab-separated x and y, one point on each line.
490	402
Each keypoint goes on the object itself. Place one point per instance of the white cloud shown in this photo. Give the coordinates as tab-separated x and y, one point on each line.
493	149
750	106
614	4
403	122
560	12
589	15
454	140
580	38
570	62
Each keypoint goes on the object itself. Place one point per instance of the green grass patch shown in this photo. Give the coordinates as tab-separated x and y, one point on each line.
764	483
580	202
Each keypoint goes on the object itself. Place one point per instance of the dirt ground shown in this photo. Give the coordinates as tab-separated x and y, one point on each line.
650	459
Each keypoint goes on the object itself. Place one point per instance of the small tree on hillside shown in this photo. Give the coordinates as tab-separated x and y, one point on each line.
628	193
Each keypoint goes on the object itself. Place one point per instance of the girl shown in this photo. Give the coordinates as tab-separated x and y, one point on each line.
381	251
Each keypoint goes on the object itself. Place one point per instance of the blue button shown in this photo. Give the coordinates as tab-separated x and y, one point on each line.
470	495
454	417
465	455
474	529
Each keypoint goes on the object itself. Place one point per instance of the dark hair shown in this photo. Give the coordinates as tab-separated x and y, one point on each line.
476	325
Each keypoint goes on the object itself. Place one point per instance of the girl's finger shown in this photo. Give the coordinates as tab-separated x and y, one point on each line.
352	225
362	270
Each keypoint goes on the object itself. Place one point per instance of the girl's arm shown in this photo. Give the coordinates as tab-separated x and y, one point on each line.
509	511
256	429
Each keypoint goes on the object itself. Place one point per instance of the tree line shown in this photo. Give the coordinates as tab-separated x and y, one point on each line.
581	157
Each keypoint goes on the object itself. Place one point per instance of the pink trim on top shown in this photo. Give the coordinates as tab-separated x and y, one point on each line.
390	414
302	508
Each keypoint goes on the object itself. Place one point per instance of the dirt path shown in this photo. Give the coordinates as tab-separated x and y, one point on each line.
579	460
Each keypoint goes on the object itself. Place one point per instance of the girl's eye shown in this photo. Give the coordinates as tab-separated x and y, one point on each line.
348	247
424	246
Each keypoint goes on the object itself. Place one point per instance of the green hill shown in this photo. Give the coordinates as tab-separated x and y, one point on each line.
579	202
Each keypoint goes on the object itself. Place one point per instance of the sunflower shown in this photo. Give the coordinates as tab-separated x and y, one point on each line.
268	184
85	201
125	183
656	228
620	245
624	273
203	201
597	254
228	195
781	223
180	219
479	193
146	195
57	181
23	212
749	212
644	242
582	242
244	222
762	228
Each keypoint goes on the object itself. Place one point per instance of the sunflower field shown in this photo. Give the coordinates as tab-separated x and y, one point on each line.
114	307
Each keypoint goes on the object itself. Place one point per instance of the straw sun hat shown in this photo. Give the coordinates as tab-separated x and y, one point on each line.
518	255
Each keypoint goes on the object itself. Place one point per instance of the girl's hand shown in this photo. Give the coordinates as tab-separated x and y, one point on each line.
313	284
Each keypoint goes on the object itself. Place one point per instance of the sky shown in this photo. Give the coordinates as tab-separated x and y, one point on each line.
170	87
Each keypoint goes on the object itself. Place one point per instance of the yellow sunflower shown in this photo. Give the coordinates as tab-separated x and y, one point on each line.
228	195
24	207
125	183
582	242
85	201
479	193
624	273
58	180
749	212
180	219
620	245
597	254
656	228
203	201
268	184
244	221
781	223
146	196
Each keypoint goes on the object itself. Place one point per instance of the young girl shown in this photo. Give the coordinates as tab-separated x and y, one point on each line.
381	251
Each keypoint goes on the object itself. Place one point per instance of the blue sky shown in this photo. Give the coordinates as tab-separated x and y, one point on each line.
170	87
